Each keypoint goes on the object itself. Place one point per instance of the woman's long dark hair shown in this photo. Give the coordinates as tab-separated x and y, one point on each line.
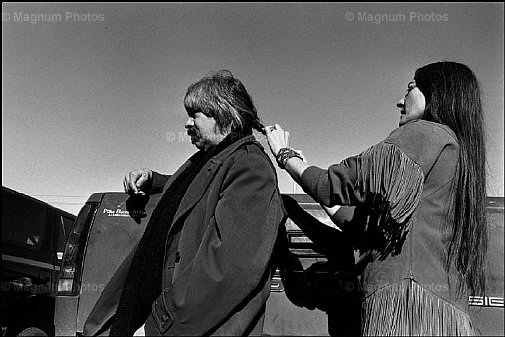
453	98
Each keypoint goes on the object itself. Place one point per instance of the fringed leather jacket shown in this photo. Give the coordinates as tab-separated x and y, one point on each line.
403	187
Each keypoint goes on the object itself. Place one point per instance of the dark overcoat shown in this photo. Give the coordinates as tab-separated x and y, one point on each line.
216	276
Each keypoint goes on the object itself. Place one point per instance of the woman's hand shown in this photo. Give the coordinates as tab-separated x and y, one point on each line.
277	138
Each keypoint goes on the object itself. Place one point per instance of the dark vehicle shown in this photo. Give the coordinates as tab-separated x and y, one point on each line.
312	293
487	312
33	238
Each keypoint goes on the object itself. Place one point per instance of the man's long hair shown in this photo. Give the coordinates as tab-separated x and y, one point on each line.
453	98
223	97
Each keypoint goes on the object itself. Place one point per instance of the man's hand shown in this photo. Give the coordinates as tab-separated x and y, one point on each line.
134	181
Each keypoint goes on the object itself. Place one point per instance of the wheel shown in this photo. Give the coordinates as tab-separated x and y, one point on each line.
32	331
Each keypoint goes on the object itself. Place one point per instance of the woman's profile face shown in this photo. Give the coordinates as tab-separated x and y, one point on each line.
412	105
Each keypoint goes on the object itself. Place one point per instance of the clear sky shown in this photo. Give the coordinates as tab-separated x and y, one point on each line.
92	91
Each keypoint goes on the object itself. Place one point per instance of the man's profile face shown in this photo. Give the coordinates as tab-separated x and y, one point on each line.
203	130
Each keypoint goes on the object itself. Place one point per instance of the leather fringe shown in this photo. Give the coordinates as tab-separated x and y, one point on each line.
407	309
395	184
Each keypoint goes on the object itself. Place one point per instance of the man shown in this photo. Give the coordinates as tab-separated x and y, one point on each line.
202	265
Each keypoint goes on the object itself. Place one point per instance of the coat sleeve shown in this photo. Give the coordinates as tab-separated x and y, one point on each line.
228	269
384	179
158	182
334	186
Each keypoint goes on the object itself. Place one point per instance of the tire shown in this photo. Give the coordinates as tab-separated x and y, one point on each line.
32	331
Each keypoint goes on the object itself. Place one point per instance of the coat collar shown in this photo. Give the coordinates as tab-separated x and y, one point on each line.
203	179
223	155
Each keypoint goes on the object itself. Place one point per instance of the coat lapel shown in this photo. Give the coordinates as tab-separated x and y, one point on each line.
203	179
176	175
197	188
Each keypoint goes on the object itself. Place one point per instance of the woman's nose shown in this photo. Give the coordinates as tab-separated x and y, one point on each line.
400	103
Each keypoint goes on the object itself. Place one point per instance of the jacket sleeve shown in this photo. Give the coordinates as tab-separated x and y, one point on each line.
228	269
384	179
334	186
158	182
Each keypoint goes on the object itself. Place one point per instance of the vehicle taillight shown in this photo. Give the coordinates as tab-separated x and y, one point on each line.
69	282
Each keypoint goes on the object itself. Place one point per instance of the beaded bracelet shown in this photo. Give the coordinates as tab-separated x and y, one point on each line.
284	155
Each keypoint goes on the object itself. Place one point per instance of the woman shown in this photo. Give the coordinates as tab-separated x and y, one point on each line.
423	189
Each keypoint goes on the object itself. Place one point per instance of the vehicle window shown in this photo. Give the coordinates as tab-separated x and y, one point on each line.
65	228
24	224
68	223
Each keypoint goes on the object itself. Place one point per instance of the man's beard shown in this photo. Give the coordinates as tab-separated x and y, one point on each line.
197	139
